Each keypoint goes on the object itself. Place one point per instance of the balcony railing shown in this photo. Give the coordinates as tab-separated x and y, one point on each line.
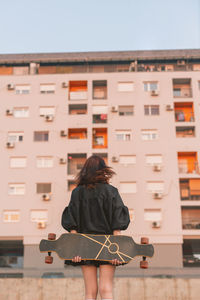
187	195
188	168
181	116
182	93
191	223
192	260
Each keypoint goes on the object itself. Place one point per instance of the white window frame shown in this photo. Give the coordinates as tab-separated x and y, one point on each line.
99	109
125	86
155	186
16	189
47	88
122	135
148	86
44	162
154	159
39	215
149	134
152	215
10	214
47	111
127	159
21	112
22	89
18	162
15	136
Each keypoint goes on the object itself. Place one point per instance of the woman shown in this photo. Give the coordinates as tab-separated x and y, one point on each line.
97	208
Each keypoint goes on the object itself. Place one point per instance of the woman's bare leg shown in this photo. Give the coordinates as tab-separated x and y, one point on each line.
106	275
90	280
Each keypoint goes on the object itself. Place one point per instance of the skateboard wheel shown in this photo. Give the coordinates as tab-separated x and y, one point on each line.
48	259
51	236
144	240
144	264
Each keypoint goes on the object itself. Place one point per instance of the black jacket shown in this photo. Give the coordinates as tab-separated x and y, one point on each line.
99	210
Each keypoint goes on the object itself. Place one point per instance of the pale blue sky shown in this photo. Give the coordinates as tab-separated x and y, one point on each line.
28	26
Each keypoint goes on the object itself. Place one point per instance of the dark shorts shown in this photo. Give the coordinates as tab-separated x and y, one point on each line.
95	263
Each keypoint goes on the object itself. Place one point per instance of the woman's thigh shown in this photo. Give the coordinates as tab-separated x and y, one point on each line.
106	275
90	279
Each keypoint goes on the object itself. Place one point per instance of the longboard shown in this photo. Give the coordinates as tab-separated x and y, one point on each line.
96	247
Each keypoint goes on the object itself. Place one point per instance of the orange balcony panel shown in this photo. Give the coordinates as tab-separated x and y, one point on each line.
99	139
187	162
77	133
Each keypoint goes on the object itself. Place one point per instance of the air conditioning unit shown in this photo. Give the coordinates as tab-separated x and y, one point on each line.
154	93
115	159
63	133
10	86
41	225
9	112
156	224
64	85
157	195
46	197
157	167
63	161
169	107
180	62
10	145
114	108
49	118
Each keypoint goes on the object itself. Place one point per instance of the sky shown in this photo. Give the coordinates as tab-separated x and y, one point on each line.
36	26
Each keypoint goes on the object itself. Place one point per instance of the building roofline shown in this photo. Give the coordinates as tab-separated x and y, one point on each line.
104	56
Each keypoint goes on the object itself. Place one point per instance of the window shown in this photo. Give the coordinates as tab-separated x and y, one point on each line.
22	89
150	86
99	138
43	188
77	133
39	215
153	159
44	162
11	216
15	136
152	215
99	114
47	88
75	162
127	187
149	134
77	109
16	189
185	131
155	186
41	136
47	111
123	135
127	159
126	110
125	86
78	90
151	110
21	112
18	162
99	89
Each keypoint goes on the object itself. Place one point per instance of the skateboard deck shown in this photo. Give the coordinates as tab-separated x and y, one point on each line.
96	247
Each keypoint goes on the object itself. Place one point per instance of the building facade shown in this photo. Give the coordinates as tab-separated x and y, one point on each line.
139	110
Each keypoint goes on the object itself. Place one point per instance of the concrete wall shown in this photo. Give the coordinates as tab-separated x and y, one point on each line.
124	289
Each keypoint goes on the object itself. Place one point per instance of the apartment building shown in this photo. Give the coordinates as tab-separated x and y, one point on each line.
139	110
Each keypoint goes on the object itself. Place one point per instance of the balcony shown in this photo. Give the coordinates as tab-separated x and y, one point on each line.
191	218
99	119
77	133
77	109
100	89
184	112
99	138
75	162
78	90
182	88
190	189
187	163
185	131
191	253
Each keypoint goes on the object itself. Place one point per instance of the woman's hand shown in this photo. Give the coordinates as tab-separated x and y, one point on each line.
116	262
73	231
116	232
76	259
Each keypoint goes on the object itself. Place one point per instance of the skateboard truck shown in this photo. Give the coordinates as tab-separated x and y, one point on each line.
144	262
49	258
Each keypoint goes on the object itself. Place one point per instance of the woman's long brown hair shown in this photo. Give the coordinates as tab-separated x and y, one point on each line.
94	171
